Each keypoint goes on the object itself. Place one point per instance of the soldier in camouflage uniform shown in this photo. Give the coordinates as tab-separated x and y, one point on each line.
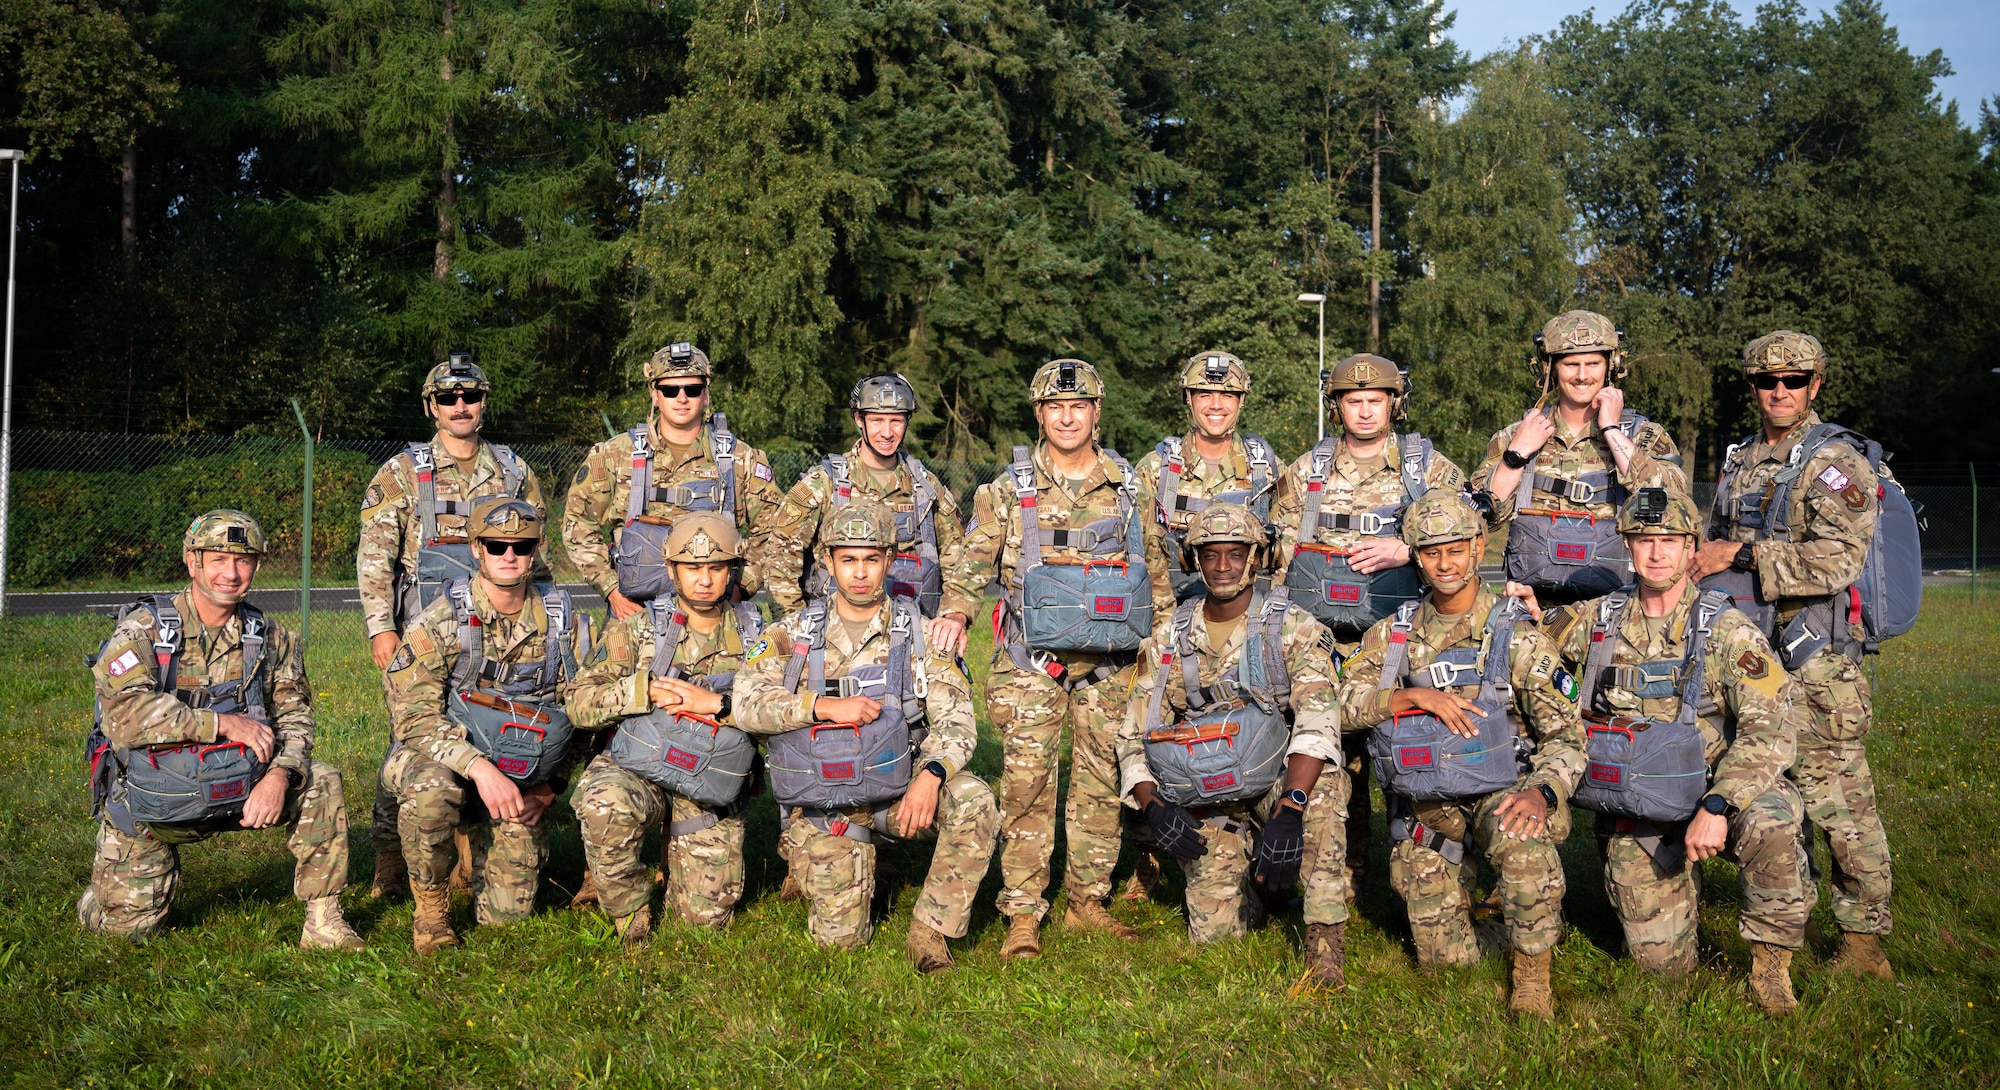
684	445
134	875
1032	696
1517	829
1586	453
1358	475
1753	815
877	468
1832	525
1298	822
833	851
616	806
421	498
440	778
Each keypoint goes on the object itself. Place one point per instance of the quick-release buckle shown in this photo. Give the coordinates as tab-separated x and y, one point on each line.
1368	522
1444	675
1578	491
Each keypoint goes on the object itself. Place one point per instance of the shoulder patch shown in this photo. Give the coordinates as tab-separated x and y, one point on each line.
1854	498
757	650
1326	644
1563	682
372	498
1832	479
123	664
760	471
1663	446
1752	664
582	474
403	660
1544	667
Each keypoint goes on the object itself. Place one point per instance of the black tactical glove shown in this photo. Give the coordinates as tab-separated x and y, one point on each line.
1281	848
1176	832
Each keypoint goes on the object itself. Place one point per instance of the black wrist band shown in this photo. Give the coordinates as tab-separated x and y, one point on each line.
1513	460
723	712
1548	794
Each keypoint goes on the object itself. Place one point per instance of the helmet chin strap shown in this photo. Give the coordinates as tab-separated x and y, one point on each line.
507	584
1232	591
874	599
1452	587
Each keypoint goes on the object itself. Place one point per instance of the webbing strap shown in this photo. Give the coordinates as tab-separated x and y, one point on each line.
669	625
642	474
168	634
1611	617
1309	520
1396	660
1176	646
426	470
1597	486
724	444
471	662
708	818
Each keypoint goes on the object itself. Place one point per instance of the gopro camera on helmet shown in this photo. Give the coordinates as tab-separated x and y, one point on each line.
1216	369
237	535
1650	506
459	363
1066	376
680	351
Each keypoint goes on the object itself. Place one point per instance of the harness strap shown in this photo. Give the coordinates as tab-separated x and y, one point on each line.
642	474
1667	848
471	662
1171	467
1416	451
707	818
1403	825
168	635
1396	661
1597	486
512	477
1602	642
1309	520
254	627
835	824
558	661
426	470
669	625
725	462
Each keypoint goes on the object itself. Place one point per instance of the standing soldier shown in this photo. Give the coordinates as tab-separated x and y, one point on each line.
1068	531
1340	544
1231	745
414	542
475	692
1674	784
664	684
1561	474
1793	563
204	732
1448	761
870	726
631	487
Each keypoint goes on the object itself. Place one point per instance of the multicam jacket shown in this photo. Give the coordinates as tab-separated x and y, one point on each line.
794	533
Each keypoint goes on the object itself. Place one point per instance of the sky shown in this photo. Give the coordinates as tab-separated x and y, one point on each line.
1967	30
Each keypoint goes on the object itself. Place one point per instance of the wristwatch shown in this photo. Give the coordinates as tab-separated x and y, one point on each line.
1512	460
938	768
1548	793
1297	798
1746	558
723	712
1716	804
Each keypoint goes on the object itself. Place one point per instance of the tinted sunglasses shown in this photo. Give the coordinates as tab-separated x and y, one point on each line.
470	397
502	548
672	390
1789	382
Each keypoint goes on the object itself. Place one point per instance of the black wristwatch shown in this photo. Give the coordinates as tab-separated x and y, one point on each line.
1716	804
1746	558
1548	793
1297	798
938	768
1512	460
723	712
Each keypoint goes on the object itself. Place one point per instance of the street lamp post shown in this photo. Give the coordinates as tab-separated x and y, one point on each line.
1320	395
15	157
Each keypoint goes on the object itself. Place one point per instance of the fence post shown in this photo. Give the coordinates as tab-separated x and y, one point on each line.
305	535
1972	473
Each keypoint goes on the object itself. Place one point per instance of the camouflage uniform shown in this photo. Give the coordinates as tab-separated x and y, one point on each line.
1834	507
133	878
1437	892
795	532
838	872
430	767
617	807
1201	481
598	497
1749	737
1218	901
392	535
1030	709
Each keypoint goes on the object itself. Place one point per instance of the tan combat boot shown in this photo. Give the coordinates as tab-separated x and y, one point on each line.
1771	979
1088	915
1861	955
326	928
392	878
1145	878
926	949
586	894
431	926
1532	994
1326	954
461	872
636	929
1024	938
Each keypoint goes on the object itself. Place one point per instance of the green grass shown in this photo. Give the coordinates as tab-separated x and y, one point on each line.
225	999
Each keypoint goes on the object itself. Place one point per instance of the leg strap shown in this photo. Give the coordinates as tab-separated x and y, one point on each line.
1666	847
1403	825
834	824
704	819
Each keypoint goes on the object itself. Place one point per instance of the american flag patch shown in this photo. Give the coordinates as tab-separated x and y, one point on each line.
119	666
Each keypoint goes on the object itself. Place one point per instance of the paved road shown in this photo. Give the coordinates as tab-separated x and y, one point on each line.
277	600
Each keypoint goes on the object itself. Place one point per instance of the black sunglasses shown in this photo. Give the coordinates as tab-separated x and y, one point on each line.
671	390
470	397
1789	382
502	548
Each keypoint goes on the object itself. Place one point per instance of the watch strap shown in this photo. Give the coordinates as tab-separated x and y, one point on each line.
1297	798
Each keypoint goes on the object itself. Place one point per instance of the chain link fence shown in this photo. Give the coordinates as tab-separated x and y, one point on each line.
96	520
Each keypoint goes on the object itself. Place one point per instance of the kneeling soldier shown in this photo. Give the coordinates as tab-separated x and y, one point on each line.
1691	729
1232	721
664	686
475	692
870	728
207	732
1451	763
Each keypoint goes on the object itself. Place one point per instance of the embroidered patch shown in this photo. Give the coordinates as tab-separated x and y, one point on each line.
1832	478
1544	667
119	666
1855	497
372	498
761	471
582	474
1663	446
757	650
403	660
1564	683
1326	644
1752	664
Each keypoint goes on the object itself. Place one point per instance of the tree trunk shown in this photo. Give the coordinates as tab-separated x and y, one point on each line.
447	173
128	216
1375	237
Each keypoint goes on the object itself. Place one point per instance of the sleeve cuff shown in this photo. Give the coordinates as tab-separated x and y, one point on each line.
1314	744
957	602
207	728
378	624
457	756
638	695
1131	773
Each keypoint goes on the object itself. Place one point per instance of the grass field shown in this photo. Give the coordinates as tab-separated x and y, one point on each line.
226	1000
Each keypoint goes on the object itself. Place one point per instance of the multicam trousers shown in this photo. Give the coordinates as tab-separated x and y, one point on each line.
1219	905
133	879
704	867
1438	893
507	856
838	872
1833	775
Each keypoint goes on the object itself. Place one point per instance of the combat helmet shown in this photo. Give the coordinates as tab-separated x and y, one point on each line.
702	537
1215	371
678	360
1367	371
1784	350
1659	510
859	524
883	392
225	530
505	518
1222	523
1066	380
1582	331
1439	516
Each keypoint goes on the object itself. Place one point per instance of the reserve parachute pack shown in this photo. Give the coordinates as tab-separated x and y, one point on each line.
700	759
915	570
1889	594
1175	508
1414	753
181	783
1649	769
1232	745
1564	552
510	712
831	767
1101	603
1341	598
636	550
441	560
